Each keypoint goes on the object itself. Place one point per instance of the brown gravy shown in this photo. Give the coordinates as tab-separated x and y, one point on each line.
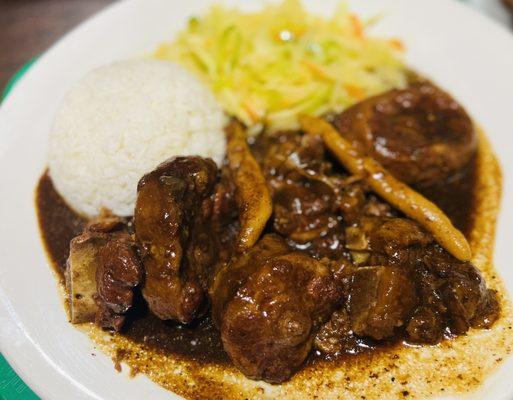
201	342
57	222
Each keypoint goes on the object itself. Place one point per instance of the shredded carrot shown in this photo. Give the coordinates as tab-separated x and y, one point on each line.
355	91
316	69
253	114
357	26
399	45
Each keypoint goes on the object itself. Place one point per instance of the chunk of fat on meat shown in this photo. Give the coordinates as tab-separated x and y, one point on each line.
81	276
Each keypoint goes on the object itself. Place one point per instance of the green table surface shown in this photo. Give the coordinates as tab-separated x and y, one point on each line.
11	386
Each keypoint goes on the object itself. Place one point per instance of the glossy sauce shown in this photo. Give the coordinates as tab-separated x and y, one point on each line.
457	197
57	222
201	342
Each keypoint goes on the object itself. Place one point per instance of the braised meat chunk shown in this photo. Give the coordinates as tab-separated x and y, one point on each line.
119	271
469	303
407	286
267	326
231	275
395	234
225	215
425	326
451	300
304	212
267	329
420	134
174	230
305	192
452	294
381	300
103	268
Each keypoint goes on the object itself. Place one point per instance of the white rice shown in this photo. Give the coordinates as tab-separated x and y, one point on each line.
122	120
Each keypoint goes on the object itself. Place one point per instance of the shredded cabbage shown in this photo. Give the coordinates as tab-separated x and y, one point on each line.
269	66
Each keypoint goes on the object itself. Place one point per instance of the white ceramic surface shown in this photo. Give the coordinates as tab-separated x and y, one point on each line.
463	51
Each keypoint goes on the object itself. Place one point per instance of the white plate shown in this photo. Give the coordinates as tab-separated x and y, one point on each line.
465	52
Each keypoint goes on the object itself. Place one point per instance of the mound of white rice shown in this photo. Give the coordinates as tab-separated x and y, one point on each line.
122	120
